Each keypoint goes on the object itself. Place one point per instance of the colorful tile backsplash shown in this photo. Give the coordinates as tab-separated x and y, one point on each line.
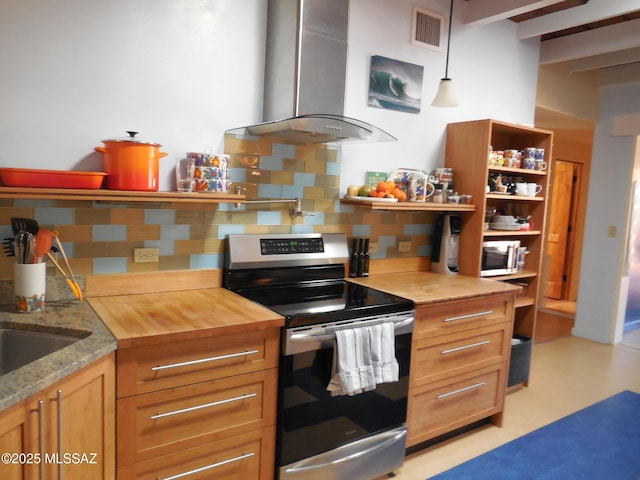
99	237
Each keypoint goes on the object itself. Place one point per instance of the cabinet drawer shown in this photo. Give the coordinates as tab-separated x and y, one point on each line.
250	455
444	356
444	406
156	367
159	423
456	316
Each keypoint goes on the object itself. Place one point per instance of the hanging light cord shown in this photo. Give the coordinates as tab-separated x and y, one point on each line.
446	68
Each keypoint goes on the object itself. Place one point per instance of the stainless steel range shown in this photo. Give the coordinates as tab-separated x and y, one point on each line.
323	434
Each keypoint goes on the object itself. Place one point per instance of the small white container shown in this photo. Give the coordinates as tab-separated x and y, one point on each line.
30	282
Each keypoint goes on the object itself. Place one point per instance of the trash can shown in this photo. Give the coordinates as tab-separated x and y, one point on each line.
520	360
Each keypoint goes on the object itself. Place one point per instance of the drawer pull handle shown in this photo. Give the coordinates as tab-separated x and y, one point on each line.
202	360
455	392
470	315
207	467
206	405
465	347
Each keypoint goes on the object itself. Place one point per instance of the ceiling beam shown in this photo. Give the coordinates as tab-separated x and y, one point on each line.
593	11
482	12
620	36
621	57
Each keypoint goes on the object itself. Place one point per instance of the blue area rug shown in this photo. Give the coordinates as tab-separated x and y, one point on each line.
599	442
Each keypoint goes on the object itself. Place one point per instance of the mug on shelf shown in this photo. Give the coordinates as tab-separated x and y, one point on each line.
540	165
420	190
522	189
533	189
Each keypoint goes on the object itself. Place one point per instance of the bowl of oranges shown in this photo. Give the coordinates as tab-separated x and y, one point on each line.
387	191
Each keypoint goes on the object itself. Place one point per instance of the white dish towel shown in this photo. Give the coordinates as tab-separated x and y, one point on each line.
383	353
362	358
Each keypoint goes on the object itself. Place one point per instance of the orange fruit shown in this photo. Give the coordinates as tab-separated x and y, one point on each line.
382	187
400	195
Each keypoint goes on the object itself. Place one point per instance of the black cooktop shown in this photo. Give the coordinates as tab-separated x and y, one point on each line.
317	302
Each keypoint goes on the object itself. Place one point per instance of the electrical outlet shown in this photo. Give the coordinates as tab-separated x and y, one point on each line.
612	231
373	247
404	247
146	255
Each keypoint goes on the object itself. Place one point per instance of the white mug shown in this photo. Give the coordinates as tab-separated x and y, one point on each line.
522	189
533	189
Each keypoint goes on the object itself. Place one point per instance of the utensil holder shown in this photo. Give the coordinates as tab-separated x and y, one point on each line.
30	282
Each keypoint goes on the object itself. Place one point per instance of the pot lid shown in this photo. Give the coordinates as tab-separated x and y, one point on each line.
131	139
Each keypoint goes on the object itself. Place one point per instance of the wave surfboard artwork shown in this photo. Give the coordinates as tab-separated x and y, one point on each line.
395	85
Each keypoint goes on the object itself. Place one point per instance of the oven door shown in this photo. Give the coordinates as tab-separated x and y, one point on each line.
320	434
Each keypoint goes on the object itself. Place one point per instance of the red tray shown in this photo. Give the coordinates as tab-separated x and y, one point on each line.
26	177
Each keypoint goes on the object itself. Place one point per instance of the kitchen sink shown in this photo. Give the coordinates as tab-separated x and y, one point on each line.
20	347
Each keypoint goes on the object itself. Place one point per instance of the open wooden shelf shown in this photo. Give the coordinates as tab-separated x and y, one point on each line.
525	302
510	233
515	276
119	195
522	171
411	206
497	196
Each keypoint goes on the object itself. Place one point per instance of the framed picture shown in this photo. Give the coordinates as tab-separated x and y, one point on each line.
395	85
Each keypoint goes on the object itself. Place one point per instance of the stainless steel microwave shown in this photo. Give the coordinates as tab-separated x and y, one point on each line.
499	257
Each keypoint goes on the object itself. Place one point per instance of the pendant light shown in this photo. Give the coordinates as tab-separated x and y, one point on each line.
446	96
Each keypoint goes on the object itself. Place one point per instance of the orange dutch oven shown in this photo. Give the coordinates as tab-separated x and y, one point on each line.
131	164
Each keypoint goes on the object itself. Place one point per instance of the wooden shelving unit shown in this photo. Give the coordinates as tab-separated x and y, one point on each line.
467	151
119	195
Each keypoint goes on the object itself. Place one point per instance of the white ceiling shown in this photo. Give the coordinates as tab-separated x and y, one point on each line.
612	50
594	42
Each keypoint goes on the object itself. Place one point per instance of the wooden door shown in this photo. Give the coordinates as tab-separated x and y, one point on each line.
566	176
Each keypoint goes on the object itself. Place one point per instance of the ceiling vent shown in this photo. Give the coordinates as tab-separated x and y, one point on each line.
426	29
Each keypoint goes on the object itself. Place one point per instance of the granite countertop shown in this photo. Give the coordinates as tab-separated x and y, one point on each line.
426	287
61	315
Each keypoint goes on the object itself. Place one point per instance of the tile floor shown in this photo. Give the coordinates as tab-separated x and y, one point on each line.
567	374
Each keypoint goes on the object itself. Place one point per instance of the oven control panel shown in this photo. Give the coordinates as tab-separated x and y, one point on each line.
280	246
285	250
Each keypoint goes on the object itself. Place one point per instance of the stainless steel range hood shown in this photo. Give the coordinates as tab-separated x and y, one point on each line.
305	74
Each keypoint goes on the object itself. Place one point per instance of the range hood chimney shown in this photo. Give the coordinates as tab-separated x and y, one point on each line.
305	75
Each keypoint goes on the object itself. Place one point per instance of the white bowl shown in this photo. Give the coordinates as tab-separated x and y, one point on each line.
503	219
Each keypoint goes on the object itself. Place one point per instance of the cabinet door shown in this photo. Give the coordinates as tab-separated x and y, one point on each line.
19	438
80	438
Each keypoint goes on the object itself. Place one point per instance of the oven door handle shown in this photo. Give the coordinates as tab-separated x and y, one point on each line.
328	333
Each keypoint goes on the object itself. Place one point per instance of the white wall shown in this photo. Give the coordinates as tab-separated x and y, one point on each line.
495	77
608	206
181	72
75	72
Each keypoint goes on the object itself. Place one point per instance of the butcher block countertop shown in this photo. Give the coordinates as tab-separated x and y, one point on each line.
425	287
155	318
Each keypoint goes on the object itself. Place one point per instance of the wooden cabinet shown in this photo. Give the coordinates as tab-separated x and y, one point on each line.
206	405
467	152
459	364
67	431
